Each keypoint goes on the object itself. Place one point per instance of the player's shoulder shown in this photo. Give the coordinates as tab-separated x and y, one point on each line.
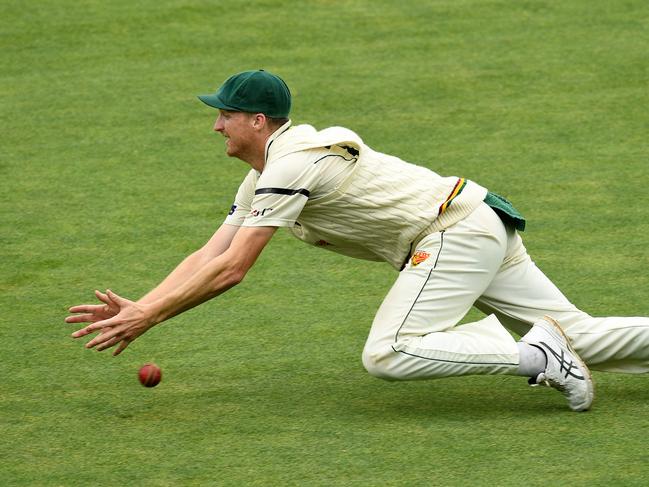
304	158
250	181
292	167
304	137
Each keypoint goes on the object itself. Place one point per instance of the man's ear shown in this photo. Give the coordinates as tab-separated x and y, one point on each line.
259	121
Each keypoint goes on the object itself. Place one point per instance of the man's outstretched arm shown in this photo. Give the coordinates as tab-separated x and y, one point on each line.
216	245
172	296
219	243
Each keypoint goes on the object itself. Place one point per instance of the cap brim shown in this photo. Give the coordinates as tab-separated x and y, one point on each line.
215	102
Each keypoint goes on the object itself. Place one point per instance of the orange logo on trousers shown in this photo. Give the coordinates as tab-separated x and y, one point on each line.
418	257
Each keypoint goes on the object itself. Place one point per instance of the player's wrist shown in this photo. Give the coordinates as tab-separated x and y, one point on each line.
163	308
153	312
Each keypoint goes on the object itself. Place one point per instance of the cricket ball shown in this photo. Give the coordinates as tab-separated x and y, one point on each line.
150	375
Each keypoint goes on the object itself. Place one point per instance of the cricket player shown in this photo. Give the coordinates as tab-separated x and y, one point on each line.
453	243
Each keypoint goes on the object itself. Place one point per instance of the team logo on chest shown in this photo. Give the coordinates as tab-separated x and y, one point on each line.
418	257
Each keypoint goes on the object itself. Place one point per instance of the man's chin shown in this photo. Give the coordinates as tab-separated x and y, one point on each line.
231	153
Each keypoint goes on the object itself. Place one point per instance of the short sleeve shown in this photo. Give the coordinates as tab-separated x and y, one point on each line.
243	200
282	190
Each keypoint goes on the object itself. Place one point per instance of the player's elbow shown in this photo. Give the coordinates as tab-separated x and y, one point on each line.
234	276
227	277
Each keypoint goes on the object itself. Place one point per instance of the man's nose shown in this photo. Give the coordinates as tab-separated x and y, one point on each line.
218	125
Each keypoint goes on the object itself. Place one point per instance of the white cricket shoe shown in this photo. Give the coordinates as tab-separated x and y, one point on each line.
565	370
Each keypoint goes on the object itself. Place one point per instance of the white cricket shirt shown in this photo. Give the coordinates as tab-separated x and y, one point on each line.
332	191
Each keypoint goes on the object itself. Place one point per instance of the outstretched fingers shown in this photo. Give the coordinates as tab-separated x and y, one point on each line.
118	321
94	327
92	313
106	336
105	298
123	344
86	308
108	343
87	318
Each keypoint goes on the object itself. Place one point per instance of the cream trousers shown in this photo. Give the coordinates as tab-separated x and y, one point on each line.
481	262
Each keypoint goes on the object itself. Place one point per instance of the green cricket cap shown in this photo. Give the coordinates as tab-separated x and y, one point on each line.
252	91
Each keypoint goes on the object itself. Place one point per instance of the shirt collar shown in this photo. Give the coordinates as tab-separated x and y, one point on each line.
274	136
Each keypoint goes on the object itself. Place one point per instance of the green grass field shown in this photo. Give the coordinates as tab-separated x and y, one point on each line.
111	175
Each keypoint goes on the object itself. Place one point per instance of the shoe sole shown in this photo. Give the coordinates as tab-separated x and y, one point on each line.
588	376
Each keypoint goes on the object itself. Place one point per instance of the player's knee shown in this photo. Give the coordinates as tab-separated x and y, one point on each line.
378	363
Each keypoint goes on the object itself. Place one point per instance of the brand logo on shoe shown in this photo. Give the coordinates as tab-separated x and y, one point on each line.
418	257
565	366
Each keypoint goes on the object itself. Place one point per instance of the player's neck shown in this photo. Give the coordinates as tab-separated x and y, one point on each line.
256	156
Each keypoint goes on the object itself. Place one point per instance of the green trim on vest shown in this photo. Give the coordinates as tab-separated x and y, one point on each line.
505	210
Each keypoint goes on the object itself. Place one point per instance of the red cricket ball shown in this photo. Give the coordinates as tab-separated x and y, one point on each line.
150	375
